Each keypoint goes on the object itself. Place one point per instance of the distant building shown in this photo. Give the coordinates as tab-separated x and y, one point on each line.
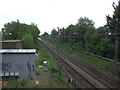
17	63
11	44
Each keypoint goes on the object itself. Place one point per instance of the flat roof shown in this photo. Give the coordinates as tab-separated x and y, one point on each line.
17	50
11	41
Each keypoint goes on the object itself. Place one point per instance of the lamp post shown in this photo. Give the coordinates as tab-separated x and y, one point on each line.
60	40
116	47
59	64
69	41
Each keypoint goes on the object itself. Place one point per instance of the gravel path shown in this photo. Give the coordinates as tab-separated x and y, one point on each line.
43	80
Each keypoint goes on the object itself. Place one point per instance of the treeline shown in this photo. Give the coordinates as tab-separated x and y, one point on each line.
102	41
19	31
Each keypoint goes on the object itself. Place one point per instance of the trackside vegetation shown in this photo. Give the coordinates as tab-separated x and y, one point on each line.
58	77
104	65
103	41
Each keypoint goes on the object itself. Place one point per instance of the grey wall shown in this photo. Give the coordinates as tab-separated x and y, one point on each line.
19	63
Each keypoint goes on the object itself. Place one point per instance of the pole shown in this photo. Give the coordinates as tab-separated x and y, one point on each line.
61	46
68	42
116	49
86	45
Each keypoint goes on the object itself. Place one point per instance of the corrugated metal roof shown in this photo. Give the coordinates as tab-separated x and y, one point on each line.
17	50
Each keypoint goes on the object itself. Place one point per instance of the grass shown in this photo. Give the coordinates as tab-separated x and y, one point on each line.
61	77
61	81
21	83
43	56
97	62
62	85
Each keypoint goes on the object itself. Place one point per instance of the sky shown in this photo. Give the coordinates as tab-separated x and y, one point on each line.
50	14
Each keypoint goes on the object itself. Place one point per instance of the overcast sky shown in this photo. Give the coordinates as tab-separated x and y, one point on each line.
49	14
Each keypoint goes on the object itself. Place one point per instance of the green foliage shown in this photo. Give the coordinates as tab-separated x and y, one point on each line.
0	35
114	21
54	33
52	65
113	24
85	23
56	75
99	63
28	41
22	83
16	31
84	36
103	47
45	57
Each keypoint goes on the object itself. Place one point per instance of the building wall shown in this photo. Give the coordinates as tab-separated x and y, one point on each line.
19	63
11	44
19	45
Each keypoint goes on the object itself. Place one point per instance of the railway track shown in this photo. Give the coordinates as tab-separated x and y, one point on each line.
81	74
106	80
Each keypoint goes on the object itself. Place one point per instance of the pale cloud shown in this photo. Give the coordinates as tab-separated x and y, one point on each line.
49	14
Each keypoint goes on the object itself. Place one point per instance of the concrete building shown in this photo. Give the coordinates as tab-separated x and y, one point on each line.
11	44
18	63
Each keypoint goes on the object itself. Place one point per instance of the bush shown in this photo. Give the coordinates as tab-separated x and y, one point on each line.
28	41
22	83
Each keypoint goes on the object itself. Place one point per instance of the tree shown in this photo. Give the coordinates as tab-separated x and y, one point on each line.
104	48
54	33
85	27
114	21
85	22
16	30
0	35
28	41
114	27
44	36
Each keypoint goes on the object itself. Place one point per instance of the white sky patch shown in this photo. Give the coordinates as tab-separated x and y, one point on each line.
49	14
